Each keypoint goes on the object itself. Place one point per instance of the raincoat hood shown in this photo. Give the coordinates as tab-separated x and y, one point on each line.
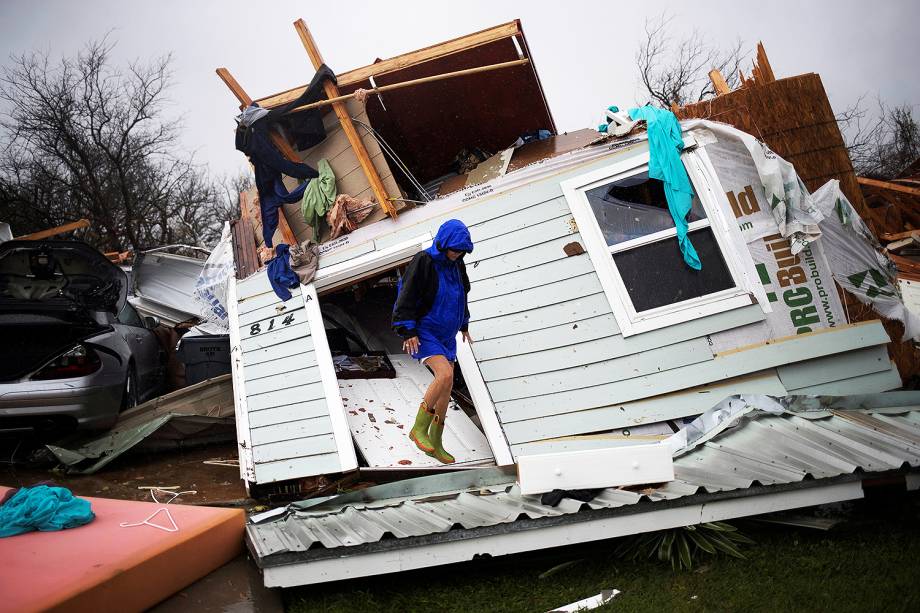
453	234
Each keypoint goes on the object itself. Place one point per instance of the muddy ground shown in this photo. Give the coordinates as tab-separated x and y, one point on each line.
123	477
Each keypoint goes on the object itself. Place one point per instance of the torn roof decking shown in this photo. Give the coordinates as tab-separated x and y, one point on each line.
487	110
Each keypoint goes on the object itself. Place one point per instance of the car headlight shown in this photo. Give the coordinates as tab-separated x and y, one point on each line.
77	362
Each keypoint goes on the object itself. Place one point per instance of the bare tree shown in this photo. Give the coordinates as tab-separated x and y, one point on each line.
677	71
882	144
81	138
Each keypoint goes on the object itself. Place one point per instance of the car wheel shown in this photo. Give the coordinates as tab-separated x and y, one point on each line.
129	396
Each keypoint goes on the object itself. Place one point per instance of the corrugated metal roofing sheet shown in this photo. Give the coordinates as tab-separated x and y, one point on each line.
767	450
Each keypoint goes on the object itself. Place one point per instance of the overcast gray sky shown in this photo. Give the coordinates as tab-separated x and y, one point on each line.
584	51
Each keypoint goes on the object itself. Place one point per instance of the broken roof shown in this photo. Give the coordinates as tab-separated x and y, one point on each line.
770	454
486	110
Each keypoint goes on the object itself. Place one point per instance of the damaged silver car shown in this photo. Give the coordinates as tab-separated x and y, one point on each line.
74	352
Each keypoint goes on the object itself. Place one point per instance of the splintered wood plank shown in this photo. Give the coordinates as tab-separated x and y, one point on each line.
381	412
341	112
718	82
763	62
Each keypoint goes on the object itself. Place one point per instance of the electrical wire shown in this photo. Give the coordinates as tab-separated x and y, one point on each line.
395	157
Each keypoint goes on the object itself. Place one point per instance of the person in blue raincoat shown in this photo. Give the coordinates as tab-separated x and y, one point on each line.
430	310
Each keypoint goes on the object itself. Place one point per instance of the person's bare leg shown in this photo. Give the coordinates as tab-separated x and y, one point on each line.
444	376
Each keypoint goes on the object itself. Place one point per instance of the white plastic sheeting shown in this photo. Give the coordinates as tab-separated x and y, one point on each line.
856	259
211	286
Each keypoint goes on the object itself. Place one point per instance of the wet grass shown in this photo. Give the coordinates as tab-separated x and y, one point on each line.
870	564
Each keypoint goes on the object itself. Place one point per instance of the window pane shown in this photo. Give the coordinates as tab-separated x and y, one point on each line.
634	207
656	274
129	317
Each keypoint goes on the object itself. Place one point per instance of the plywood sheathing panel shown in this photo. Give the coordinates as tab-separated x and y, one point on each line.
430	123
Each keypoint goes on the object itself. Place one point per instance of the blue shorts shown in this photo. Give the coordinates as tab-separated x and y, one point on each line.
430	344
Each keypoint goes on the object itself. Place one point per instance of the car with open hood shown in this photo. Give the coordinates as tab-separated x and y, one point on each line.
74	351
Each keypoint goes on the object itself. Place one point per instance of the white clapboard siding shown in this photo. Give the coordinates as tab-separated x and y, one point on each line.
801	348
529	278
511	327
289	412
289	425
528	257
623	368
613	346
581	331
535	297
882	381
649	410
529	236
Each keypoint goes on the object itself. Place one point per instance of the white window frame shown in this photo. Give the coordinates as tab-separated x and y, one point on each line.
734	252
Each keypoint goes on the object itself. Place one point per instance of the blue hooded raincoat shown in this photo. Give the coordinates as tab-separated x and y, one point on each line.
431	299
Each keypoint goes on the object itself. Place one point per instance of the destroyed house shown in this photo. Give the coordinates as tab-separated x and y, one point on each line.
588	326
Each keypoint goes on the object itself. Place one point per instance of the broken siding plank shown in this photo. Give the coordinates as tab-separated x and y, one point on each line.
281	365
531	277
280	381
300	448
650	410
548	338
834	368
536	234
562	378
525	300
301	428
280	351
795	349
519	260
293	395
289	413
270	472
560	314
883	381
614	346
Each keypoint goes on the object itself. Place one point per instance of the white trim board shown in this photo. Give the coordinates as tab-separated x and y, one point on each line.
629	464
348	460
244	442
351	566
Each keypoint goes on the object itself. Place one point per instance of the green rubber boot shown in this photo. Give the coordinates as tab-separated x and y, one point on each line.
434	435
419	432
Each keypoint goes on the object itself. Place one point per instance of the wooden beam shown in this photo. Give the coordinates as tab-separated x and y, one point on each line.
68	227
283	146
361	75
900	235
412	82
357	145
718	82
235	87
888	185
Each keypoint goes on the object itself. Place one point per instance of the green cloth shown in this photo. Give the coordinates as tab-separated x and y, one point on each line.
43	508
318	196
665	143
